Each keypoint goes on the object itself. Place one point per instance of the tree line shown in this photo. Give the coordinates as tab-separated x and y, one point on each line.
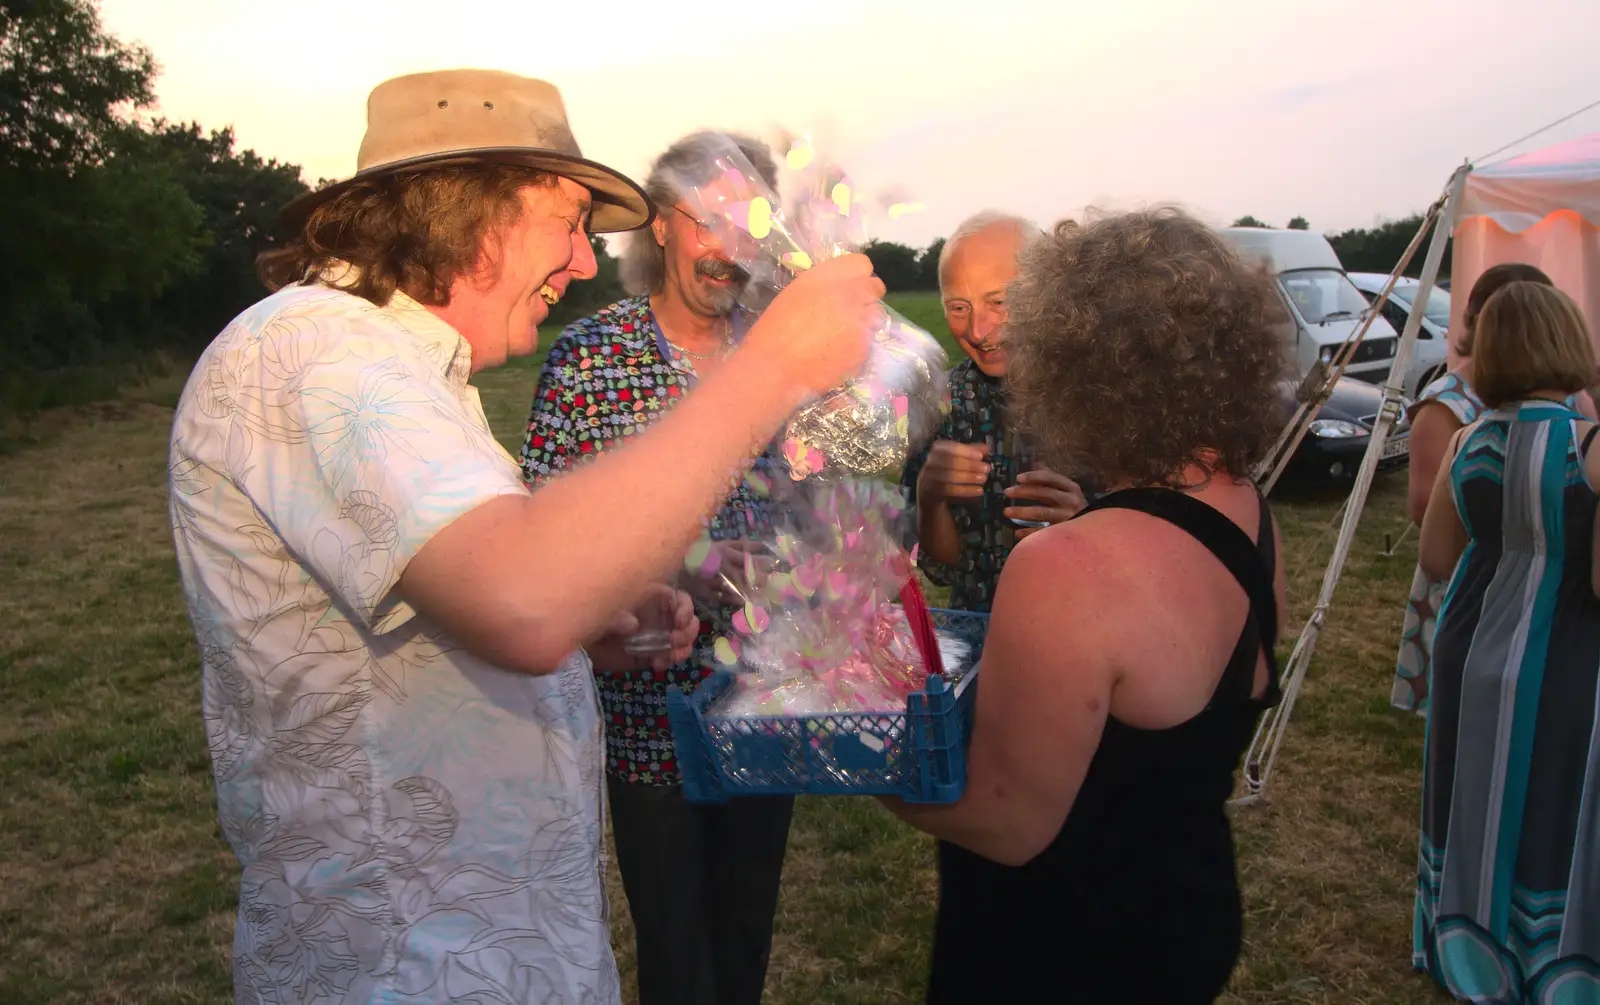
1361	249
132	241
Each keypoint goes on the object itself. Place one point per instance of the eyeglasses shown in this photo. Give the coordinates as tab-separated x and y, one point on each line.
702	230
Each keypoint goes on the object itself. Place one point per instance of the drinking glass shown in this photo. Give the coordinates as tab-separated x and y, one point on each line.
1023	451
656	621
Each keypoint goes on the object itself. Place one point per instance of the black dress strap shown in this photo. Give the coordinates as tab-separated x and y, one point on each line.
1252	563
1588	438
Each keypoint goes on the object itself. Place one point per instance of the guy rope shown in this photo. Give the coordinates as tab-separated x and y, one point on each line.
1263	751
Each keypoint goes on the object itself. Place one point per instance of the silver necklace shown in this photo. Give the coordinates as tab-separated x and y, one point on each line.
727	341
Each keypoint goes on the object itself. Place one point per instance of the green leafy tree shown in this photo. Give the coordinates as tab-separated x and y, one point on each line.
100	224
895	264
928	265
97	248
1378	249
1249	221
63	81
1299	223
239	196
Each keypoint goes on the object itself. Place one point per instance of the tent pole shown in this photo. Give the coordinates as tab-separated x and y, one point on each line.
1263	753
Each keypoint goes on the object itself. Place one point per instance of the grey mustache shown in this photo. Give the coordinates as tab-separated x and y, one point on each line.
716	268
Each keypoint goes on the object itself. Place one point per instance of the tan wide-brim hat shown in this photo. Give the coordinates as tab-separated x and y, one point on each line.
461	116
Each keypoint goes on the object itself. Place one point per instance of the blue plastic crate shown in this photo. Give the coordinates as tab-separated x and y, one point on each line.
919	754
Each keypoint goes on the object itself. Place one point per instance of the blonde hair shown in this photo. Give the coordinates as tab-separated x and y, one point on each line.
1530	337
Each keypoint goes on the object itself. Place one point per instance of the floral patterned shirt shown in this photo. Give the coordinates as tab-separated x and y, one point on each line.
414	825
977	415
607	378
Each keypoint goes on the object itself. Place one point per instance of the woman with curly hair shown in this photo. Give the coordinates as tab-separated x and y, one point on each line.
1129	654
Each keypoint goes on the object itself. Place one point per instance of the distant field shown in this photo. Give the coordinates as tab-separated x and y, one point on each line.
924	310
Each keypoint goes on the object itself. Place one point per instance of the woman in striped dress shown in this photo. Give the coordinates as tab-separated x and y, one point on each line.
1508	890
1443	407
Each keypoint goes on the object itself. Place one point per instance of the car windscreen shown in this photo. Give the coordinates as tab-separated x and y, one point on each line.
1438	309
1322	295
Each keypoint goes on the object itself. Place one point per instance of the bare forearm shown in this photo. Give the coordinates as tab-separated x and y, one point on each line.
1442	540
1438	559
945	822
548	571
1430	435
936	532
985	834
628	518
1443	537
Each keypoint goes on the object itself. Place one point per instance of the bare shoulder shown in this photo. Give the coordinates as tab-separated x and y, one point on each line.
1114	561
1092	549
1058	611
1085	572
1104	553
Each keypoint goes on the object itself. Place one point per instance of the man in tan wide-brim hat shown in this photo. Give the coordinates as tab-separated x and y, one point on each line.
392	628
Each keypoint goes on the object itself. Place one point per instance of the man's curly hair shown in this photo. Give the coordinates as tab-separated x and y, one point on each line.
1141	343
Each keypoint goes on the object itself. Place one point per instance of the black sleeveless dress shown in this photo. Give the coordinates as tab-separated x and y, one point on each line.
1137	899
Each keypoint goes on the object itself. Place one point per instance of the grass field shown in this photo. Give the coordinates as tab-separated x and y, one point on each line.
116	887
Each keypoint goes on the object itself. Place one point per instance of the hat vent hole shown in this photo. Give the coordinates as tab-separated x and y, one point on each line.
444	104
488	104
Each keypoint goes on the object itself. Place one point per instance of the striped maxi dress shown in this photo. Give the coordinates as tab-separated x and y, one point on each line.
1508	891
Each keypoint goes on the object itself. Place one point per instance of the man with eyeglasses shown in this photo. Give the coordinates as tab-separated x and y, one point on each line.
702	881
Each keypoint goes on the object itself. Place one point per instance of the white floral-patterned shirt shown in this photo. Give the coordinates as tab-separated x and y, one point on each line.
414	824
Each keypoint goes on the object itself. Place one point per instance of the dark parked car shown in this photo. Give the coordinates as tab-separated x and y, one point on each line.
1337	440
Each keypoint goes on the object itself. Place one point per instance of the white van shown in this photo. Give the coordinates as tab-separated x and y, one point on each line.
1324	306
1430	353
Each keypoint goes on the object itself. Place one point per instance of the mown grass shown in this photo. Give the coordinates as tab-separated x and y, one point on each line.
116	887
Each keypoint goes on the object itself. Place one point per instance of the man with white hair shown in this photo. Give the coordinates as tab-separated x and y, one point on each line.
702	881
968	484
392	628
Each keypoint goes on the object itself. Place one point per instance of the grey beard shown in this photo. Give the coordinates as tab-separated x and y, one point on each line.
723	299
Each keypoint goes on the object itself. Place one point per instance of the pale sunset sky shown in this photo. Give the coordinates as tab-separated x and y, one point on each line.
1345	112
